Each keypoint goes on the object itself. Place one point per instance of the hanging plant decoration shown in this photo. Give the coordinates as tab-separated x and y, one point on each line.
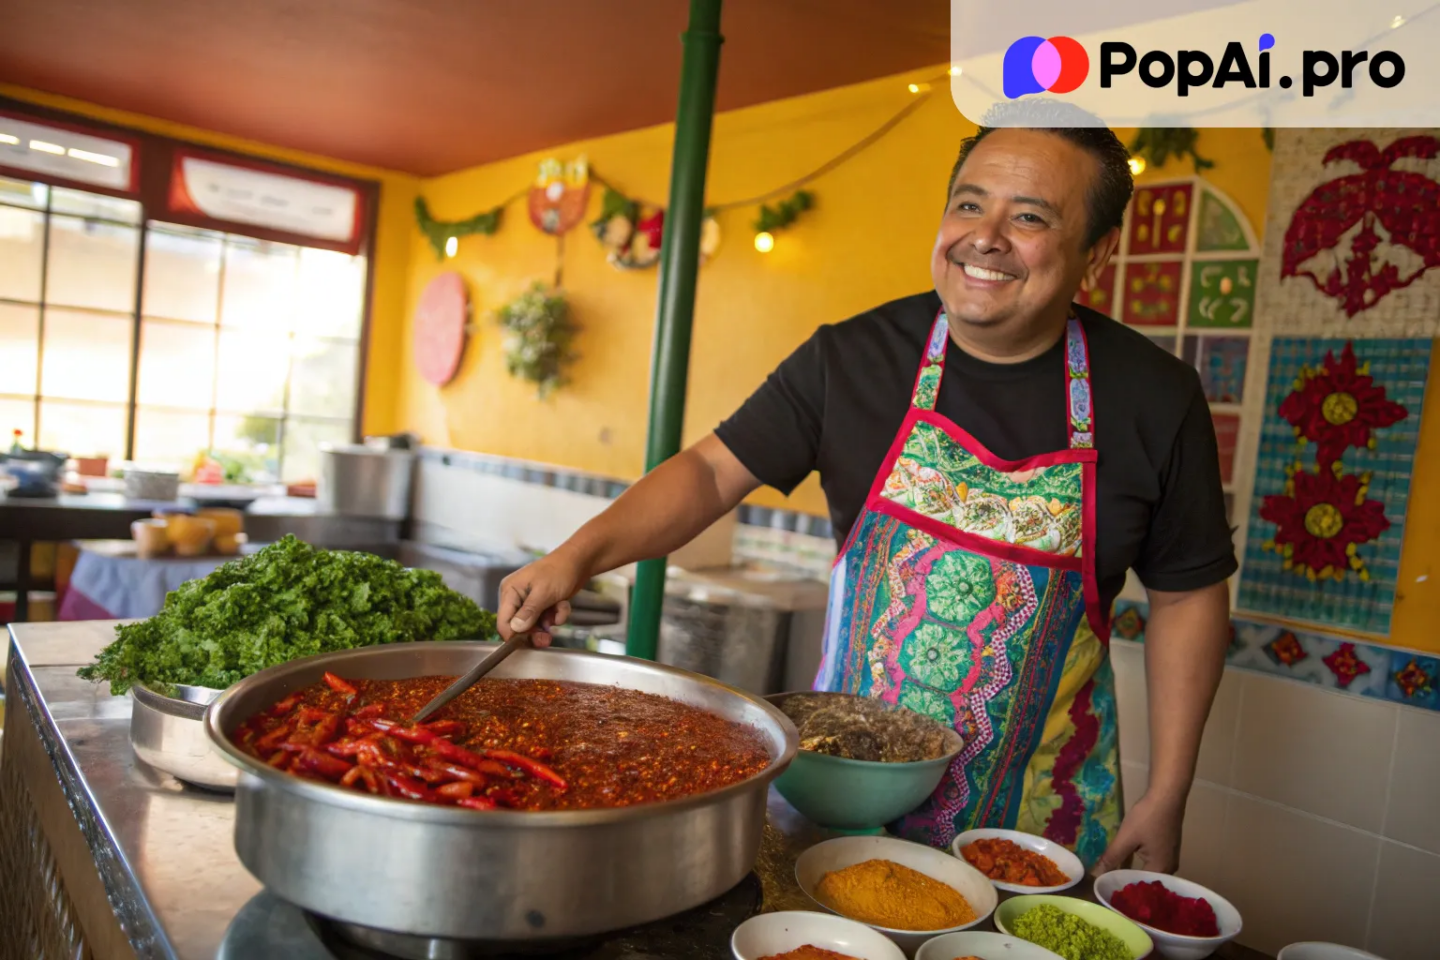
439	232
781	216
538	338
560	195
630	232
1158	144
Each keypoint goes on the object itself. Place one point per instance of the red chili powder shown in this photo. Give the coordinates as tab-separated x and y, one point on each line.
1156	905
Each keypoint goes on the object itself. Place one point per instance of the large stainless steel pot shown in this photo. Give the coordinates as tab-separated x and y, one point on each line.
505	875
359	481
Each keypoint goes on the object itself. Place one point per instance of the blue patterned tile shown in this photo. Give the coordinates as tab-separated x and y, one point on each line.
1348	666
1413	679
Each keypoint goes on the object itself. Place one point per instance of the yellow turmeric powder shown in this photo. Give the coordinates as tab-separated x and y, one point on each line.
885	894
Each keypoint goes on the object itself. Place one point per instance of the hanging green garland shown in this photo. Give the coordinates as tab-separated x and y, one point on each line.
440	231
1158	144
781	216
538	338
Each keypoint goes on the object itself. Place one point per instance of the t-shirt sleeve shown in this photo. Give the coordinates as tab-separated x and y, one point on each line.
776	433
1189	544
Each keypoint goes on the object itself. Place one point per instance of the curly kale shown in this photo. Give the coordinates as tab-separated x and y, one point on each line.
287	601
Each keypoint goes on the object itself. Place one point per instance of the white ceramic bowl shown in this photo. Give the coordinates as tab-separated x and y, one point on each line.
985	945
1068	863
774	933
1174	946
939	865
1314	950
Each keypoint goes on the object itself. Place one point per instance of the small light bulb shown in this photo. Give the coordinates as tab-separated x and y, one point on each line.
764	241
1137	166
1397	23
452	246
956	71
914	88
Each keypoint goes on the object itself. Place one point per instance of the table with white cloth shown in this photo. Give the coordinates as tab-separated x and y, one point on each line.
111	582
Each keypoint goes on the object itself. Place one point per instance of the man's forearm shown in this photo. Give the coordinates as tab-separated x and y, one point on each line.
663	511
1185	643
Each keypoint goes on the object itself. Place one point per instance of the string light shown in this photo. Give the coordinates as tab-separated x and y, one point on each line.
452	246
764	241
918	87
956	71
1137	166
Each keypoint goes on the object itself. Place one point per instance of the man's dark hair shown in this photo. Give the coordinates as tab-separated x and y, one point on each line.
1113	185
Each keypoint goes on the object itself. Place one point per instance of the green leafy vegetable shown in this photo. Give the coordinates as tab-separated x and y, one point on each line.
287	601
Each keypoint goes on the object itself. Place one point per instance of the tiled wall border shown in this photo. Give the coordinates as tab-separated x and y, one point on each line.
595	486
1362	669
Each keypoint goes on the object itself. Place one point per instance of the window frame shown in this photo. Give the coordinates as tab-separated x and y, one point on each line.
154	162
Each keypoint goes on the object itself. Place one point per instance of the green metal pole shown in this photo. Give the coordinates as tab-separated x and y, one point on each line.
679	263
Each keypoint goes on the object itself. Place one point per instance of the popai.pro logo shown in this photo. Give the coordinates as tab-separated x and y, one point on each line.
1038	65
1060	65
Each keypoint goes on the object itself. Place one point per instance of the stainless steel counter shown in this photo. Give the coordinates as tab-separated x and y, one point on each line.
152	871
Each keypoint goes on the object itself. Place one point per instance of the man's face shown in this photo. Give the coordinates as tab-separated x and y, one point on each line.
1011	247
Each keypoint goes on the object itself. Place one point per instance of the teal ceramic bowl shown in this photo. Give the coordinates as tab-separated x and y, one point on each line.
1137	940
859	796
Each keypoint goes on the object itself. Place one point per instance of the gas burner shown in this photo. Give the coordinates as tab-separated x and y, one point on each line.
269	927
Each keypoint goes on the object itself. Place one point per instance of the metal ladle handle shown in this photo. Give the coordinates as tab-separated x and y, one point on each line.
470	679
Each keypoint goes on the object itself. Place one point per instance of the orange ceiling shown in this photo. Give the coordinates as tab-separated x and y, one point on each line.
432	86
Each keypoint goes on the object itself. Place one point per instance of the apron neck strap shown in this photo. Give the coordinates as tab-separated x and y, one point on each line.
1080	415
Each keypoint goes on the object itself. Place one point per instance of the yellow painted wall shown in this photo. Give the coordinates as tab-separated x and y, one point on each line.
392	247
867	241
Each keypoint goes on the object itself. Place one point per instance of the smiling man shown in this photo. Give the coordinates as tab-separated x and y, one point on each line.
995	459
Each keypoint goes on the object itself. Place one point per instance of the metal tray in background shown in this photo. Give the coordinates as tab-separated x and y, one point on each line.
169	734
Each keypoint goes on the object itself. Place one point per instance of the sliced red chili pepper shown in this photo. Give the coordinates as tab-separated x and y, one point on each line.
322	763
445	728
450	751
497	770
339	685
372	782
280	761
352	775
326	729
412	734
368	711
456	772
532	767
504	797
344	748
411	789
312	714
476	803
456	791
274	738
288	704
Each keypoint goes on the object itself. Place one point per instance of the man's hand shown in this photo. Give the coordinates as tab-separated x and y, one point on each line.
1150	830
537	597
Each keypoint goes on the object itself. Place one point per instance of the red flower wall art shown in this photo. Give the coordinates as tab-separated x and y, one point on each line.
1321	519
1332	480
1361	236
1338	405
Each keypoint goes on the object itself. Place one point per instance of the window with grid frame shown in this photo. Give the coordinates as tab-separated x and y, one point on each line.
246	348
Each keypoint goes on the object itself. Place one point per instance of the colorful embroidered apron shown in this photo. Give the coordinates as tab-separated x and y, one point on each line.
966	591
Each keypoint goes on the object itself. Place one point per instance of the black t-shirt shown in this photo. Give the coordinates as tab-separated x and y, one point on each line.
837	402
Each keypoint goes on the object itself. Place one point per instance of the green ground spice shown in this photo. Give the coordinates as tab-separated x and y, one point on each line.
1068	935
